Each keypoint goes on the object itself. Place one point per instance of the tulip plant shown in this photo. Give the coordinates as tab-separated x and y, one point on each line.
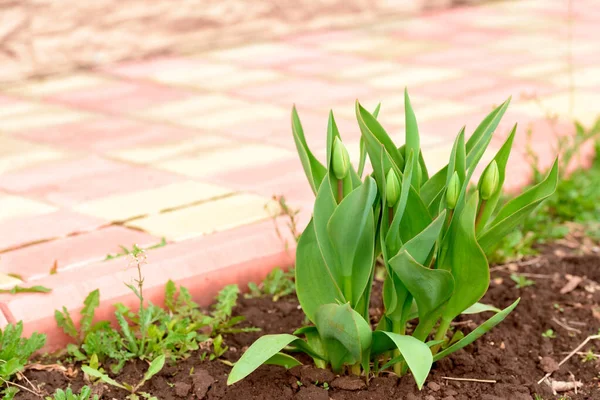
431	232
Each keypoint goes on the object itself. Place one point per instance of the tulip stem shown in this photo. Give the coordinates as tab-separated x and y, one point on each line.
340	188
441	333
479	215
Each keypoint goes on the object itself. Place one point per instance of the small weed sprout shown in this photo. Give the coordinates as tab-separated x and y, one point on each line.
549	334
521	281
589	356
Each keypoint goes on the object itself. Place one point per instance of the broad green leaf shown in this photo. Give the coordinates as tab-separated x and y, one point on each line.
105	378
351	229
91	302
374	134
431	288
501	159
346	335
517	209
313	339
393	240
412	138
260	352
478	332
467	263
416	353
132	343
314	170
482	135
155	366
458	158
479	308
420	246
363	148
475	147
316	283
283	360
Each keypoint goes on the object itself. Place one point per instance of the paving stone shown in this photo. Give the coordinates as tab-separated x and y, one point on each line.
152	153
206	163
7	282
36	261
206	218
122	207
16	154
18	206
31	229
60	84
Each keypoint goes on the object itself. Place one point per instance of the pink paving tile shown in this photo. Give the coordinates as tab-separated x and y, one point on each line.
310	93
285	177
73	181
34	262
328	64
203	265
278	131
107	133
125	179
120	97
147	68
20	231
3	320
458	88
269	54
519	90
322	36
51	174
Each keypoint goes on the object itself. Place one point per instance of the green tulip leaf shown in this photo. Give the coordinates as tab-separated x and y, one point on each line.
501	159
263	350
351	230
412	139
316	282
416	353
478	308
431	288
478	332
517	209
314	170
467	263
345	333
283	360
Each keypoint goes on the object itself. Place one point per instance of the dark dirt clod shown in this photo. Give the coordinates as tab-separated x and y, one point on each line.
182	389
201	382
348	383
548	364
511	354
311	393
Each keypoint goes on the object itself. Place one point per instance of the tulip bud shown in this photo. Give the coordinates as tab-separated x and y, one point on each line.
452	191
392	188
340	160
489	183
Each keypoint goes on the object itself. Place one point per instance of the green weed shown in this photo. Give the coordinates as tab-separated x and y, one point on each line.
84	394
15	352
521	281
277	284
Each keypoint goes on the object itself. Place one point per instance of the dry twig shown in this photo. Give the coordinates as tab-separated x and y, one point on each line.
565	326
571	354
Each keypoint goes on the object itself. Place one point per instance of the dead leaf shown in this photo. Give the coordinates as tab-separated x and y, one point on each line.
573	282
54	269
68	372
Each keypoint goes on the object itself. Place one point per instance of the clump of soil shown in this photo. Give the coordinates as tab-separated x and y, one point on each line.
514	354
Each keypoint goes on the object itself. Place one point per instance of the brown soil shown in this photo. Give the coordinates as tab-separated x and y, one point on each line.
514	354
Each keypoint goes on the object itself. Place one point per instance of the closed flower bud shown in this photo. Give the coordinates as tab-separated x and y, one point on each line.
452	191
392	188
489	183
341	161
